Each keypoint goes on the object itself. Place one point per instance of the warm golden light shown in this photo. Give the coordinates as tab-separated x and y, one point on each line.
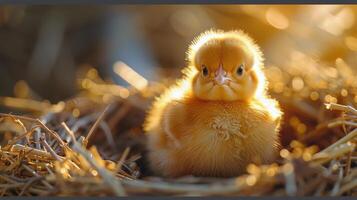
330	99
306	156
277	19
297	83
331	71
336	21
251	180
288	168
351	42
284	153
106	89
124	93
344	92
278	87
255	110
175	92
253	169
29	104
314	95
272	170
92	73
130	75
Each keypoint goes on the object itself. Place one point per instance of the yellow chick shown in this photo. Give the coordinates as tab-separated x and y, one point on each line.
217	119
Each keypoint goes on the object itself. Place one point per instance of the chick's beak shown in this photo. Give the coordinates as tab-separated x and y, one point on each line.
221	76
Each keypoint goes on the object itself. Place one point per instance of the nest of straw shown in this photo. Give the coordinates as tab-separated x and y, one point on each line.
93	144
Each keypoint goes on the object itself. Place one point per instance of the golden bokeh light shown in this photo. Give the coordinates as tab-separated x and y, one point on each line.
276	18
297	83
314	95
253	169
309	63
344	92
284	153
251	180
330	99
337	20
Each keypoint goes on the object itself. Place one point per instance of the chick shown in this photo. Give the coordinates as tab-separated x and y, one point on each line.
218	118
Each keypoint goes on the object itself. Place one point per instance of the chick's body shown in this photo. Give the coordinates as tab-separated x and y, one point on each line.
217	119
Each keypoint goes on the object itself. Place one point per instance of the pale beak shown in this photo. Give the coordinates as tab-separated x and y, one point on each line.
221	76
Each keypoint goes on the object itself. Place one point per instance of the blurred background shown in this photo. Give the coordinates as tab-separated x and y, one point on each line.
51	53
44	47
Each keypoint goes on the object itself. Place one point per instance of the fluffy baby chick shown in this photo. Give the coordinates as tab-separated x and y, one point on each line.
217	119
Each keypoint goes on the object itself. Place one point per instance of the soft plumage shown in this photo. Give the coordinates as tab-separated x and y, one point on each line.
218	118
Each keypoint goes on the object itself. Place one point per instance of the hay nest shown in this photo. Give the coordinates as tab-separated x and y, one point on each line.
93	144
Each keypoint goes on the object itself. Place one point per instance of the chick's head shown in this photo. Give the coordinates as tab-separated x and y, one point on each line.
229	66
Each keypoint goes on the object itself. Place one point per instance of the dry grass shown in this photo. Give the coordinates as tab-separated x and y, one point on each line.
94	145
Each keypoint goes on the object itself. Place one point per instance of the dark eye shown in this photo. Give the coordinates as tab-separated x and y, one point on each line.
240	70
204	70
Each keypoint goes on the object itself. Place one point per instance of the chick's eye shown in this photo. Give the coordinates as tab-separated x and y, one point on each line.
204	70
240	70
